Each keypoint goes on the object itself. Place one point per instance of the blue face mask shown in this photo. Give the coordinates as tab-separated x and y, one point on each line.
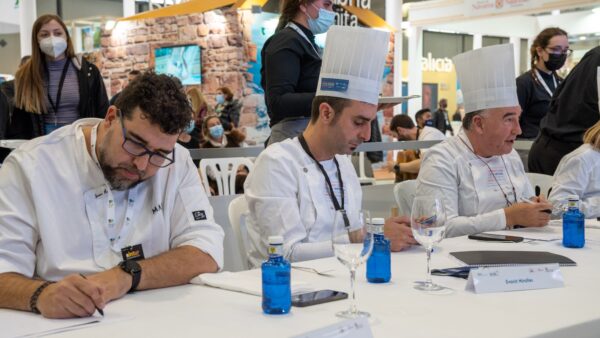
216	131
190	127
322	23
220	99
429	123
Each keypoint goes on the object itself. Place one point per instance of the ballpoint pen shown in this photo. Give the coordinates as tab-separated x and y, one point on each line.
97	308
548	211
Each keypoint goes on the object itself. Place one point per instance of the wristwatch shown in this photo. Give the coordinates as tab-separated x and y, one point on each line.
135	270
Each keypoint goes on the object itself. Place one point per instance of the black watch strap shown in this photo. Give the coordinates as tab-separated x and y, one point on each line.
135	270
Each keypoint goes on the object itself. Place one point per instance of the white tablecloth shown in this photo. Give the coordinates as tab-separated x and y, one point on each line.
398	310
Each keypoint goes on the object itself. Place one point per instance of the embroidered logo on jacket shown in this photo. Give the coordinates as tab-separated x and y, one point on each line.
199	215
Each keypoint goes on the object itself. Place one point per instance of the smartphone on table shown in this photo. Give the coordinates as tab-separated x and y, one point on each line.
496	238
317	297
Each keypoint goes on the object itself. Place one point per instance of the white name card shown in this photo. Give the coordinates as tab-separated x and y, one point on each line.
351	328
515	278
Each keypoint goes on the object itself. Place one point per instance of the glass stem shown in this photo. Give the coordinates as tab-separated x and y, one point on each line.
428	280
353	309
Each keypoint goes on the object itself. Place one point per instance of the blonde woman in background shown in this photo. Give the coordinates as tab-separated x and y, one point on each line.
578	173
54	87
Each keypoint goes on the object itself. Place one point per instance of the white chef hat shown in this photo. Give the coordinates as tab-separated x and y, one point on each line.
487	77
353	63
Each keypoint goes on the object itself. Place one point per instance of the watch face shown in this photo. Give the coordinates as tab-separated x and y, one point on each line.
132	267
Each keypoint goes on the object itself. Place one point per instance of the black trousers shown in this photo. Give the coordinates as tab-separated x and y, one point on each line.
546	153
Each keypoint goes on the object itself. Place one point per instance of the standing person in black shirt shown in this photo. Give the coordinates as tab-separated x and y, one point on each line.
574	109
549	52
291	61
440	118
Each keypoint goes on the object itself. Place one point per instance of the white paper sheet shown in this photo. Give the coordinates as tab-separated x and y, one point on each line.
246	283
26	324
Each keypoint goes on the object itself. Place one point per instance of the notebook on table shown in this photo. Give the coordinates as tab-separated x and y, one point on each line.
508	258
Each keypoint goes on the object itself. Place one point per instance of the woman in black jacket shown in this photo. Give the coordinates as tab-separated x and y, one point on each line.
291	65
54	88
549	52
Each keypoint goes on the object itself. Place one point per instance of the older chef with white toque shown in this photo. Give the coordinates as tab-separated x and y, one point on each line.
477	172
298	184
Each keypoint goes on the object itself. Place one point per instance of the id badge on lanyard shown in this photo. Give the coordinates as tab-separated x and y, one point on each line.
118	237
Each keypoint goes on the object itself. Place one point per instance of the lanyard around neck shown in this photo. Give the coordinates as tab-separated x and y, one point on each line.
299	31
334	200
56	105
117	238
508	202
543	82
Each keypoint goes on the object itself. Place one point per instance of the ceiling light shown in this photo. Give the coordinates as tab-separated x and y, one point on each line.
582	38
556	12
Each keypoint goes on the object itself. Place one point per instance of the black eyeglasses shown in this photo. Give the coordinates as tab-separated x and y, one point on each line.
559	50
137	149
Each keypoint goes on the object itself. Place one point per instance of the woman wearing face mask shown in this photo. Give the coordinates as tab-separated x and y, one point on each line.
535	88
54	88
291	65
192	137
216	137
227	108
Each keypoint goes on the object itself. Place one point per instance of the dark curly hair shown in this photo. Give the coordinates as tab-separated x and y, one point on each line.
161	100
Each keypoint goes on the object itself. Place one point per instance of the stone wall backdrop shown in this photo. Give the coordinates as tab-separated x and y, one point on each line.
223	35
225	38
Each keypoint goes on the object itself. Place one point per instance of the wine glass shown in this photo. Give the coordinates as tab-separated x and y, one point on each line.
428	224
352	245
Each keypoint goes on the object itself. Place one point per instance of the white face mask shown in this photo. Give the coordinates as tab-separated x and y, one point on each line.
53	46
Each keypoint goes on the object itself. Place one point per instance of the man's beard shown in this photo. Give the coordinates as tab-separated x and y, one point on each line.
110	174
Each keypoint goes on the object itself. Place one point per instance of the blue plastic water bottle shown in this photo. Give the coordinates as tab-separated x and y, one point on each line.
276	289
573	224
379	263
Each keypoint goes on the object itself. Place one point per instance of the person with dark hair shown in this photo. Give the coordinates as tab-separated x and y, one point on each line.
477	173
424	118
291	63
573	109
101	208
132	75
404	129
535	87
441	120
297	185
227	108
54	87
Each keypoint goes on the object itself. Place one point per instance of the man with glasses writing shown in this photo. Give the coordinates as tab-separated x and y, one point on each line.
105	207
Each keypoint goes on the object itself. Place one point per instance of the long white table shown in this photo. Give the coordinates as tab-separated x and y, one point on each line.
398	309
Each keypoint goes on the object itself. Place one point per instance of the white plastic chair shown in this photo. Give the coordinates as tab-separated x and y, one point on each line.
541	183
224	170
362	177
237	218
404	192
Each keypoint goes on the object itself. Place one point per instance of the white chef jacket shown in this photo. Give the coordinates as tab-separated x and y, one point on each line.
473	201
429	134
54	209
287	195
578	173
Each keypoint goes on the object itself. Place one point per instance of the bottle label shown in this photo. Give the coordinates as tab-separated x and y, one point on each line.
275	250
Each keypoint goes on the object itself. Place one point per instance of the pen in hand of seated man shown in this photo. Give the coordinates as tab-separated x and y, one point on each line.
397	230
538	199
97	308
528	213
